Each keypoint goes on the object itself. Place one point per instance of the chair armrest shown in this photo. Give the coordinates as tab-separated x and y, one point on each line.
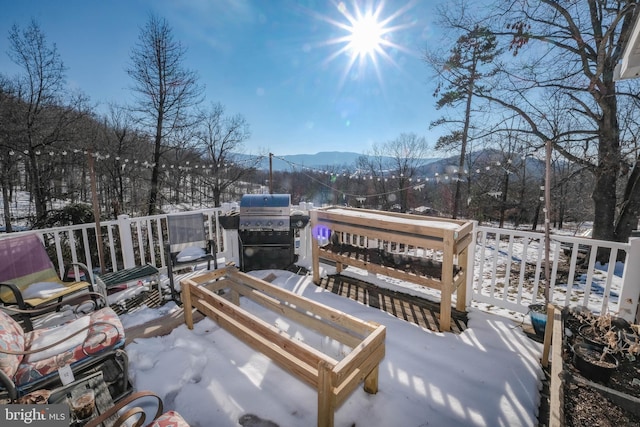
170	258
130	413
9	386
17	295
82	267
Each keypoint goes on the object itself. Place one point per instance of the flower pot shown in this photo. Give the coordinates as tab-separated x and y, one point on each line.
591	335
538	315
620	324
592	365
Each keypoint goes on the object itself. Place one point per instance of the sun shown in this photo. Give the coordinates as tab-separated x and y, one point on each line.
366	36
369	36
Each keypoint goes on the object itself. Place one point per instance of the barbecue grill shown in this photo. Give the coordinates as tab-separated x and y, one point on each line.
266	231
265	212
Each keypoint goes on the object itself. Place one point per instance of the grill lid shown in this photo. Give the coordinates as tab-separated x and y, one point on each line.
249	201
265	212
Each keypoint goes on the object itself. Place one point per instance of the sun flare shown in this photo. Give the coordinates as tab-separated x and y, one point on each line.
369	36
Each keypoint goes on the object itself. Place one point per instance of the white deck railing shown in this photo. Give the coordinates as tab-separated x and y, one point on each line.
576	279
126	242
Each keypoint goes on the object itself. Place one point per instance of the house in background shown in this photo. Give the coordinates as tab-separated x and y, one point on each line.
629	65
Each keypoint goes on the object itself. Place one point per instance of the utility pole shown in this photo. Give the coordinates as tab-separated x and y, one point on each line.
270	173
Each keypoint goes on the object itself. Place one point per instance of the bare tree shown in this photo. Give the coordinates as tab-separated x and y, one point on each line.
166	91
393	165
121	142
572	48
221	138
8	147
38	87
43	119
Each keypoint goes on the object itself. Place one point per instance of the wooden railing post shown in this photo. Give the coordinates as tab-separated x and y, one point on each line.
630	292
126	241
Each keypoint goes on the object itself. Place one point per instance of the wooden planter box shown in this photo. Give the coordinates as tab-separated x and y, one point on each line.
396	235
334	379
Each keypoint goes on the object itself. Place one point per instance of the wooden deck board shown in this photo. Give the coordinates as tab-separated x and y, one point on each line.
151	299
410	308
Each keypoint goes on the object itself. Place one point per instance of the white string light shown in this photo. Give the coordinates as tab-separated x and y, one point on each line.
385	175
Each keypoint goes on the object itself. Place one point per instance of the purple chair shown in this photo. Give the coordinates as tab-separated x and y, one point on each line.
28	278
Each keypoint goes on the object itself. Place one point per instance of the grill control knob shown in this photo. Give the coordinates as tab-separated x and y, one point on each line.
280	223
268	223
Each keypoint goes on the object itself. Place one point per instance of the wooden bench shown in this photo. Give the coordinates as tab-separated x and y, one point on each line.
334	379
390	244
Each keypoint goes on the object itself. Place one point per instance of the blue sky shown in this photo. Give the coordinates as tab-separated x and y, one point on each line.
279	63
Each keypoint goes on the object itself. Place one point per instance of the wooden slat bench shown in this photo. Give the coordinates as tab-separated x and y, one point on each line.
334	379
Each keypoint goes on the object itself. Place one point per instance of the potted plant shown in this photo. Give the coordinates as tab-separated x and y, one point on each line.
538	317
602	331
594	362
605	340
628	343
599	331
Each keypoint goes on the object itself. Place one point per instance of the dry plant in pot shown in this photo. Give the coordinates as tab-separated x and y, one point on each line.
628	343
594	362
601	330
606	340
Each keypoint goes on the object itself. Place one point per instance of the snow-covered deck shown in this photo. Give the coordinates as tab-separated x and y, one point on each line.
487	375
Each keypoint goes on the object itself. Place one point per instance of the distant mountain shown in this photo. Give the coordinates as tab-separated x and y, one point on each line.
321	160
480	160
339	160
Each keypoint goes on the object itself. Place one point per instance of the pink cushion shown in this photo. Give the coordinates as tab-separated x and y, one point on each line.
105	331
169	419
11	338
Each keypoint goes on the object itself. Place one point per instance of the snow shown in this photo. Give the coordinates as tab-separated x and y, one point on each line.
42	290
489	375
63	336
